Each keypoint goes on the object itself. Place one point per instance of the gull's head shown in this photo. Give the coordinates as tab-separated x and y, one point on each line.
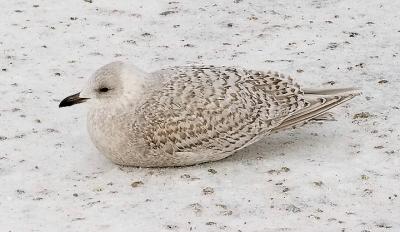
106	85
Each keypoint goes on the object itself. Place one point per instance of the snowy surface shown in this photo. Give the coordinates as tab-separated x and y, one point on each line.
336	176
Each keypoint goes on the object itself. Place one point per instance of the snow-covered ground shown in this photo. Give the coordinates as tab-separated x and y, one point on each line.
336	176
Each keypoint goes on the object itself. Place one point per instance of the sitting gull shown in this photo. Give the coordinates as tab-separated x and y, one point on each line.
188	115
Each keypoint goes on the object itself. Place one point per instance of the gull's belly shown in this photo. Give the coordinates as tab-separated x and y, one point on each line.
107	135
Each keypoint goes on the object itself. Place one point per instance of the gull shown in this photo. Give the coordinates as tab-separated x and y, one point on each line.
187	115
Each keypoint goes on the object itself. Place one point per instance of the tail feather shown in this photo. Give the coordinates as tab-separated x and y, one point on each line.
319	101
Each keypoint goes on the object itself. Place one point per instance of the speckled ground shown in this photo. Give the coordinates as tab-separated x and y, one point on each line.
336	176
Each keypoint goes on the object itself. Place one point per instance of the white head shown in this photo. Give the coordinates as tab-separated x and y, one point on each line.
108	84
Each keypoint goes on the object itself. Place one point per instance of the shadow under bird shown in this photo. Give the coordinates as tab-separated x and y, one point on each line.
193	114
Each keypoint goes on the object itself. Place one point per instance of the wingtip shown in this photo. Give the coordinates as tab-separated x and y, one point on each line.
350	91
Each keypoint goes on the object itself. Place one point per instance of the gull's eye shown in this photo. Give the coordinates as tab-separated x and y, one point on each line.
103	90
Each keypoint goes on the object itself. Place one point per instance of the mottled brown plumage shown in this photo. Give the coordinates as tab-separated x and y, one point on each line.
188	115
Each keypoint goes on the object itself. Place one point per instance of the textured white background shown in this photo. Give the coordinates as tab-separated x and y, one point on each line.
336	176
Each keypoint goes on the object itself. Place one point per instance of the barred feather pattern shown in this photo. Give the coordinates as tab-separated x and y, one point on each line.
215	109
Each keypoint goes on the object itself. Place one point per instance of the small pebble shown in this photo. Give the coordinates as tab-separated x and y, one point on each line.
137	184
208	191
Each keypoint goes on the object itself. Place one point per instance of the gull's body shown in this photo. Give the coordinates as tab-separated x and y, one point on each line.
188	115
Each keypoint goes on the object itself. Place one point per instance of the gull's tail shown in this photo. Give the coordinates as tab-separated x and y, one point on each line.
319	102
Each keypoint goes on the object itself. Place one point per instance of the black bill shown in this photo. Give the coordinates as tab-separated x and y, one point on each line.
72	100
